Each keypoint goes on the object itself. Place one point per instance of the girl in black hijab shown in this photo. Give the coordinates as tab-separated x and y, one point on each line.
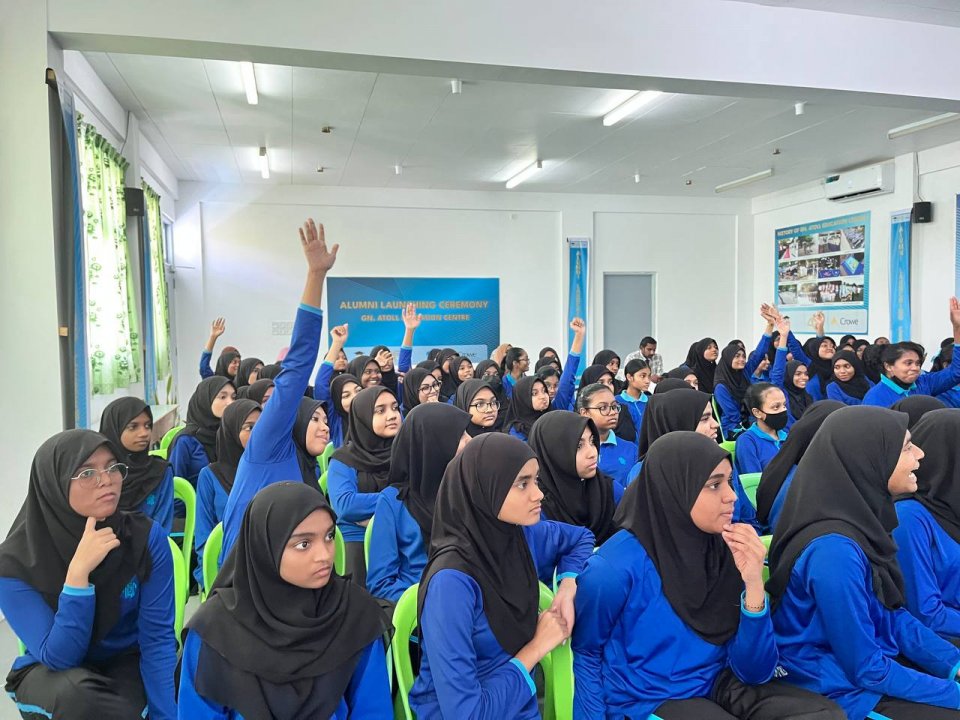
260	391
916	406
835	583
128	424
478	598
359	470
575	491
419	387
448	388
461	369
668	384
702	360
87	588
819	353
478	398
343	389
597	374
610	360
228	364
692	579
248	372
269	372
549	352
366	369
928	536
281	635
431	435
530	402
794	386
849	382
485	369
730	385
195	446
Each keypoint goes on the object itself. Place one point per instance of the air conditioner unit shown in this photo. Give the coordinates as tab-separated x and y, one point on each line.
860	183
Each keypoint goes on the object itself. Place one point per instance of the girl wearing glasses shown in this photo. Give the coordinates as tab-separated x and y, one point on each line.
88	588
419	386
478	398
617	455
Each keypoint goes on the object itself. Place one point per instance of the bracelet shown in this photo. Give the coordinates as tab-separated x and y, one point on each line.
750	608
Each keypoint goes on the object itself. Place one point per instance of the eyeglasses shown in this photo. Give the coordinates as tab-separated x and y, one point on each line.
486	405
90	478
430	389
607	409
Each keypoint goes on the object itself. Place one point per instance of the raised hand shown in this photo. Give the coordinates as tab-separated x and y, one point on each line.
578	326
319	258
93	547
218	327
340	333
955	315
384	359
819	319
748	551
783	327
411	320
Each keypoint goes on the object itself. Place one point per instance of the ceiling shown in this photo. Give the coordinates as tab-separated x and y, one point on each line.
195	113
931	12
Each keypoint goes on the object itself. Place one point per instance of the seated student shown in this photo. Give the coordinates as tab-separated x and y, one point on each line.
461	369
575	491
561	383
430	436
835	584
514	366
702	361
778	474
617	455
850	382
247	372
367	370
951	397
916	406
358	471
271	371
281	635
229	361
682	571
338	396
757	446
682	373
195	446
928	533
88	588
669	383
216	479
734	374
478	598
817	354
419	387
611	361
479	399
901	370
635	392
530	402
260	391
552	355
273	453
791	377
128	423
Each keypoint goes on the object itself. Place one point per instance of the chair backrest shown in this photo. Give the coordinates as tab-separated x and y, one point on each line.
184	492
159	453
169	436
324	458
730	446
180	589
340	553
750	482
323	484
717	415
211	554
367	538
404	623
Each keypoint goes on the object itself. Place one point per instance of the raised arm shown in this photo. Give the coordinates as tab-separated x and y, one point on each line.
217	328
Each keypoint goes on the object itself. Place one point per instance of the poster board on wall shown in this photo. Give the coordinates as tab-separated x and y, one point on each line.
824	266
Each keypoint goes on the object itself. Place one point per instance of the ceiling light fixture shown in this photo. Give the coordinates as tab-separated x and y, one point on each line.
398	169
636	177
249	82
524	174
641	99
264	164
456	86
933	122
762	175
800	108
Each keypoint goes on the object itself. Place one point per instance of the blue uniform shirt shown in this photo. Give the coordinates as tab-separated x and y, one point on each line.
617	456
211	505
158	505
636	408
886	392
755	449
835	393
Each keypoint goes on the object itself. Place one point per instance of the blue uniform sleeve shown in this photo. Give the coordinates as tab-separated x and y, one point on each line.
368	694
602	593
934	383
405	360
567	387
796	349
192	705
842	586
163	505
448	628
747	457
58	640
187	458
559	548
778	372
631	476
752	653
158	643
383	568
925	648
729	410
205	369
756	357
207	518
744	511
618	491
321	385
348	502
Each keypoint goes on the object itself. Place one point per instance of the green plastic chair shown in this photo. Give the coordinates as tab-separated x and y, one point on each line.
367	538
324	458
211	553
168	438
184	492
750	482
730	446
340	553
159	453
180	589
323	485
717	415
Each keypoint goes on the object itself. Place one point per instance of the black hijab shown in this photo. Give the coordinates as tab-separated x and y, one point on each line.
556	357
364	450
701	367
916	406
592	375
467	536
223	362
388	378
858	385
679	373
455	362
605	357
411	387
569	498
798	398
521	414
849	461
669	412
696	569
428	439
229	448
465	394
668	384
271	649
938	479
428	365
480	369
358	365
735	381
793	448
820	370
269	372
448	387
145	472
201	422
336	395
44	537
257	390
306	461
247	366
546	362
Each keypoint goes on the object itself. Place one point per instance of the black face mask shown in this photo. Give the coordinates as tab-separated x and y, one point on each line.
777	421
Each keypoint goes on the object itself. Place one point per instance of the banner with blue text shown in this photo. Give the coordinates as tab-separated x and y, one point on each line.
579	249
900	276
462	313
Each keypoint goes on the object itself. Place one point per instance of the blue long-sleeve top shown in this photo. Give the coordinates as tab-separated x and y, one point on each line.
351	505
837	639
271	455
951	397
755	449
835	393
731	414
930	561
636	408
622	672
567	385
321	392
518	433
61	639
886	392
617	456
158	505
778	374
777	507
211	505
813	386
205	369
367	696
187	458
508	383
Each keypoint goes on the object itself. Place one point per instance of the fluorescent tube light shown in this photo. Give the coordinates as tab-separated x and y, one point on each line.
264	164
524	174
762	175
922	125
641	99
249	82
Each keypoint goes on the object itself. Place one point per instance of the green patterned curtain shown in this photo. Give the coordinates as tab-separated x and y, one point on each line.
113	336
158	286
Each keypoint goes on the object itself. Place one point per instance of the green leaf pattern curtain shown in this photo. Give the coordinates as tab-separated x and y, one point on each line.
113	339
158	284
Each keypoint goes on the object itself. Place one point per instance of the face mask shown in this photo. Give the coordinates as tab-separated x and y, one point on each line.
777	421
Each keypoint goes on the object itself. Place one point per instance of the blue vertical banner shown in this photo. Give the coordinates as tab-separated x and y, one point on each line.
900	276
579	275
956	277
